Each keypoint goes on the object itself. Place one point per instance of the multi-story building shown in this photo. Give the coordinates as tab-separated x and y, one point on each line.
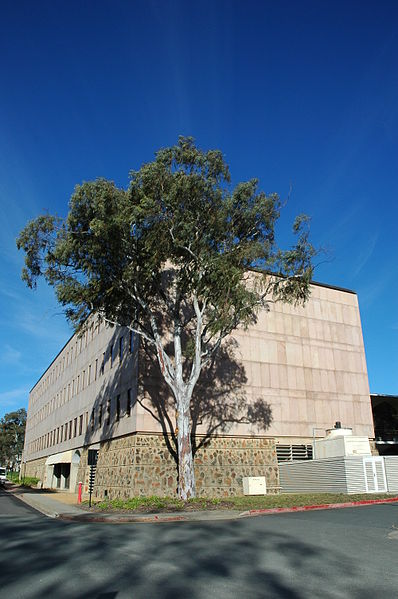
307	364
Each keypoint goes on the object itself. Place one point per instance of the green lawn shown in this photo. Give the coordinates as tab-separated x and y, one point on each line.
241	503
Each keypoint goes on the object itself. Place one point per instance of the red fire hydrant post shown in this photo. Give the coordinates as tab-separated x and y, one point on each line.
79	493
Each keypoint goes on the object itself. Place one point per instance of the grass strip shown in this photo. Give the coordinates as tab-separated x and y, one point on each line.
154	504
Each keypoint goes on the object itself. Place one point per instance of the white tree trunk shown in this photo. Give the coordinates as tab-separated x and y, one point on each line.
186	473
182	390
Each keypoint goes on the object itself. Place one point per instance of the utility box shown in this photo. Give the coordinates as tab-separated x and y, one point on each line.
341	446
254	485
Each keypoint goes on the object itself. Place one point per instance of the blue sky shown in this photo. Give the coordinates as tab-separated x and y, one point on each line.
302	95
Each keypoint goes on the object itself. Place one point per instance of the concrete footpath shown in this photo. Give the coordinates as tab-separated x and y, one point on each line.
64	506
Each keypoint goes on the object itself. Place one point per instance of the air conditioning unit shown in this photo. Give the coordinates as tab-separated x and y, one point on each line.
254	485
340	442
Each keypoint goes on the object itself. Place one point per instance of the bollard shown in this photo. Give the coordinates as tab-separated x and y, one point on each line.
79	493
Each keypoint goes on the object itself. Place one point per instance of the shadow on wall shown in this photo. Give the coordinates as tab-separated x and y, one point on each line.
219	401
118	393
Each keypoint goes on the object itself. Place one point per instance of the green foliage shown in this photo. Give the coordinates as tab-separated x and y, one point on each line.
26	481
180	255
111	253
29	481
12	434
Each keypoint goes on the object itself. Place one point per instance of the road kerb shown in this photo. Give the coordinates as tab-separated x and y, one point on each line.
324	506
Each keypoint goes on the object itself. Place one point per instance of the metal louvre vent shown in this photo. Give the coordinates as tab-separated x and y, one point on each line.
290	453
391	464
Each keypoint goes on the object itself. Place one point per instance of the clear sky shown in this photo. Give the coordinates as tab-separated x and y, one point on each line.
302	95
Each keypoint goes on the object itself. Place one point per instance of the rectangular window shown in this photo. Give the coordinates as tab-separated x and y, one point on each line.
128	407
57	435
111	354
89	375
61	432
70	429
75	427
117	408
81	425
103	363
108	412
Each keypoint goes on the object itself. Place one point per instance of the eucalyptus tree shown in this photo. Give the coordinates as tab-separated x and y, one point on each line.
12	434
182	258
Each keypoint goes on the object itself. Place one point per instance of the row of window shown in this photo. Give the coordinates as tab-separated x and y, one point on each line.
77	426
112	405
69	430
84	379
75	347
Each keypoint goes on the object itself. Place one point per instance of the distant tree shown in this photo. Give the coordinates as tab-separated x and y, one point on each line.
169	258
12	434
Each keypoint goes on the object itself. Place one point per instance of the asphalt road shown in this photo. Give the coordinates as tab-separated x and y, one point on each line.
348	553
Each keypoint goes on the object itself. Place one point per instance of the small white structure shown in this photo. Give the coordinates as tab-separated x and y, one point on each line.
341	442
254	485
61	470
342	463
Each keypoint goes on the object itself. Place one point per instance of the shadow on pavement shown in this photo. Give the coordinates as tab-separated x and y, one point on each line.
20	489
220	560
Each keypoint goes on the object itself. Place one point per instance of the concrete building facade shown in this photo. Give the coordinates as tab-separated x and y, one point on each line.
307	364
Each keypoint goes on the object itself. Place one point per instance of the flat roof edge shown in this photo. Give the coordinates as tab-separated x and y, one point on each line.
316	283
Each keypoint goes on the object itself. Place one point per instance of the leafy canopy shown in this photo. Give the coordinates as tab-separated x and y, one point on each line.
12	434
179	231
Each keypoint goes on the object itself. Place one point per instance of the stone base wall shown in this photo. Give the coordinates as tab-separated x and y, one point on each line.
35	468
140	464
